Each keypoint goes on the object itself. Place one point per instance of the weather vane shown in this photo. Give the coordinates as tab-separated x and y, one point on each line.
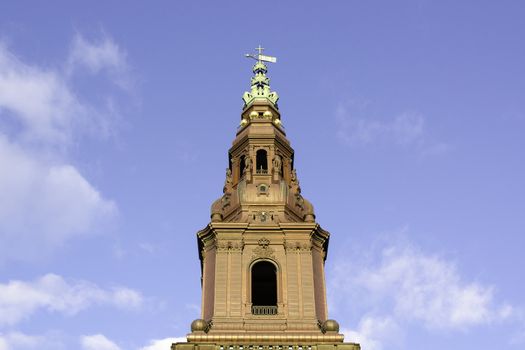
260	57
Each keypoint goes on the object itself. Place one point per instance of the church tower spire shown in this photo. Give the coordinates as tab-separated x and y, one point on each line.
262	255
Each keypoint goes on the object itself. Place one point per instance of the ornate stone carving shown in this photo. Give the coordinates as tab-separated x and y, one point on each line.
229	246
228	182
263	250
299	201
298	247
263	189
226	200
277	162
264	242
264	217
294	183
247	165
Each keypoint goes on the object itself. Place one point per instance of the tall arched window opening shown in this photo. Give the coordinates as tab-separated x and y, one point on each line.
261	162
264	288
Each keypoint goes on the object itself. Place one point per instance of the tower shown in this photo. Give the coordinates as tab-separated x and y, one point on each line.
262	255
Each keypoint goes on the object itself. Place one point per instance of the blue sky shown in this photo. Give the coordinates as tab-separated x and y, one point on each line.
408	122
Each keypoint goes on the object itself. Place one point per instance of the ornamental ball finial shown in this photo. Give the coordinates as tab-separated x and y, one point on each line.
253	114
199	325
267	115
330	326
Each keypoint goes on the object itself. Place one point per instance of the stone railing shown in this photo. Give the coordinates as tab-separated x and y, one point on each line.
261	171
264	310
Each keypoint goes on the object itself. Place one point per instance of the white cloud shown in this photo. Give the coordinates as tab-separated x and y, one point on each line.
38	99
372	332
409	287
97	342
163	344
45	199
21	341
44	204
19	299
17	340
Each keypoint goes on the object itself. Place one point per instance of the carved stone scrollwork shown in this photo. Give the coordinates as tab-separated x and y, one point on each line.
263	250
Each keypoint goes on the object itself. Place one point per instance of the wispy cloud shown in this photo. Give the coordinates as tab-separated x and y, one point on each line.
102	54
19	300
402	286
357	126
97	342
404	129
44	204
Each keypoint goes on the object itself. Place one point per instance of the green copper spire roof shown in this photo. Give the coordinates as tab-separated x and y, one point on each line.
260	82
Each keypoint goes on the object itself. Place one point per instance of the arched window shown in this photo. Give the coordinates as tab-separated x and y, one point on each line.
264	288
261	162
